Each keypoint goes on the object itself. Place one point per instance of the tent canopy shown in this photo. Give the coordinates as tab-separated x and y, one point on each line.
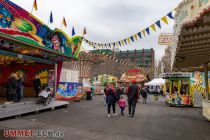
156	82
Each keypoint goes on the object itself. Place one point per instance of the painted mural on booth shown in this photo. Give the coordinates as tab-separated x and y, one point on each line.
69	91
17	23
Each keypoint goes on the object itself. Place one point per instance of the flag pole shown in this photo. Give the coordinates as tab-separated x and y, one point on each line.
48	22
32	9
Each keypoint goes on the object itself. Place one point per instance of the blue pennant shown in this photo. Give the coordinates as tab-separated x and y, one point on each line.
147	30
170	15
51	17
125	41
158	24
119	43
73	32
139	34
132	38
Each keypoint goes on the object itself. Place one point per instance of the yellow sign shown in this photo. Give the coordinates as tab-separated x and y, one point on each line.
166	39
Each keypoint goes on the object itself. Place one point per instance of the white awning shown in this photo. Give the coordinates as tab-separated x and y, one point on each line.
156	82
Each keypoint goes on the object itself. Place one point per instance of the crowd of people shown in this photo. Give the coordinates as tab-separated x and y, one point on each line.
113	96
15	87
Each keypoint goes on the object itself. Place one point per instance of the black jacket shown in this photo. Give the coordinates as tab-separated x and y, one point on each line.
37	84
143	93
11	87
133	92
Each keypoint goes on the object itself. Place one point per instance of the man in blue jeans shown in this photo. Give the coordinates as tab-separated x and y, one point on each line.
133	96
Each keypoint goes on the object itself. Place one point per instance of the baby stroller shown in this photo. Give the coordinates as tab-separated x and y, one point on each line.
45	96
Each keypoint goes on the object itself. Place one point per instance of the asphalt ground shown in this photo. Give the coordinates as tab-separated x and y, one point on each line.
87	120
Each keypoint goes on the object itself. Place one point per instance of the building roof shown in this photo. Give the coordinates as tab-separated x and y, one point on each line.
191	33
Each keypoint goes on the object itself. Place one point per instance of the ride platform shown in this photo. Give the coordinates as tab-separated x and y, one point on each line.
28	106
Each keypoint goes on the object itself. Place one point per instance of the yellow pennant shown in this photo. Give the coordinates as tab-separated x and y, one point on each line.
117	45
164	19
129	41
136	37
122	42
153	27
144	32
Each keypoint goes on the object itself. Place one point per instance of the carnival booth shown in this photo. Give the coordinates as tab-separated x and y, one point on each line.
179	90
185	89
191	33
29	47
134	74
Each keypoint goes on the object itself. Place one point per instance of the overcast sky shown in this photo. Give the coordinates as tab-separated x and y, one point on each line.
107	20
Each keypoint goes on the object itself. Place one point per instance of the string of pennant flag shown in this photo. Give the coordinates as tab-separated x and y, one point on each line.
136	37
120	43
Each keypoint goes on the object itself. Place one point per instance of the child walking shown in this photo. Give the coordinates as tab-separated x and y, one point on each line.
122	105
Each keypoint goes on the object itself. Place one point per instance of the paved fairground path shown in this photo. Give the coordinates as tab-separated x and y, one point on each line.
87	120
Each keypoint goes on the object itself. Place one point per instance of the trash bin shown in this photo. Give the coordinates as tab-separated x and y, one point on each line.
88	95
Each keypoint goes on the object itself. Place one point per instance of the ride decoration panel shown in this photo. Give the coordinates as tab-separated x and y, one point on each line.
19	25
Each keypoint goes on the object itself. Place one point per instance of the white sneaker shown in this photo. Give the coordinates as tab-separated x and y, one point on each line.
114	114
109	115
129	115
132	118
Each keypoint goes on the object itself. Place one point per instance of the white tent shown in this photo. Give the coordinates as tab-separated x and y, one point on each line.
156	82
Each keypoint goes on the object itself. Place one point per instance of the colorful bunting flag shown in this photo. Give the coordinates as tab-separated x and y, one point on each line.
73	32
165	20
139	34
84	32
132	38
147	30
158	24
136	37
51	17
122	42
144	32
129	41
119	43
35	5
125	41
64	22
153	27
170	15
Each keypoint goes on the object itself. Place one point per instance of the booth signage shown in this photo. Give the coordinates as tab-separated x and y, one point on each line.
166	39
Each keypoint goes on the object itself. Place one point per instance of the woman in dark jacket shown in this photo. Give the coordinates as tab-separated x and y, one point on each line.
11	87
111	99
